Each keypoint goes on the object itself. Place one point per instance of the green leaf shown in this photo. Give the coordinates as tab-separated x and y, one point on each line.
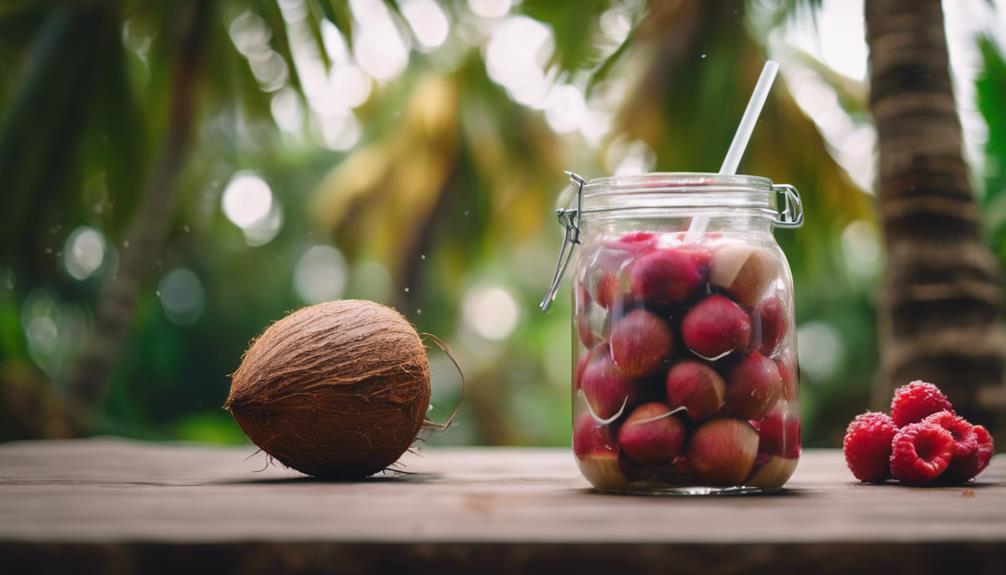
314	25
393	8
991	93
337	12
574	25
42	128
281	42
609	64
852	94
787	9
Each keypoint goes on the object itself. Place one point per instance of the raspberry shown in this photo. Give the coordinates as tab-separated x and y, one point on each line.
985	448
913	402
964	464
867	446
921	452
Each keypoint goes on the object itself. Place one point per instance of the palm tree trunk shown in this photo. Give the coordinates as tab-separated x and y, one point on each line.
942	292
152	220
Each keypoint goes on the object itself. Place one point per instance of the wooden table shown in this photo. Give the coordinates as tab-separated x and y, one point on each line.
118	506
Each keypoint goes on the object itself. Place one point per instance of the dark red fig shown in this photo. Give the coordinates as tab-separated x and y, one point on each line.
715	327
667	276
651	435
771	319
789	371
722	452
603	469
596	454
696	387
608	288
744	272
772	473
597	352
753	387
590	436
640	343
606	389
779	432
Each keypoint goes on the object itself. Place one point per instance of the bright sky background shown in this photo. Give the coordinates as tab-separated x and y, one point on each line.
838	41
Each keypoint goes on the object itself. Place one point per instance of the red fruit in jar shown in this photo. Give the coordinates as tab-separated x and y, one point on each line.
596	454
779	431
681	470
771	321
789	371
651	435
613	261
597	352
715	327
590	436
635	471
584	330
584	307
606	389
913	402
633	242
649	389
696	387
773	473
666	276
677	472
640	343
964	464
603	469
723	451
608	289
920	453
744	272
754	386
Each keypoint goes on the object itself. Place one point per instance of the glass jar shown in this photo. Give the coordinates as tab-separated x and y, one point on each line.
685	377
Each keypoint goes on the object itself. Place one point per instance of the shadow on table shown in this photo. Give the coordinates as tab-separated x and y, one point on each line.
392	478
781	493
964	488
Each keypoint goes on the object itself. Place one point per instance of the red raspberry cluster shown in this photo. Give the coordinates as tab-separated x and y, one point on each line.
922	442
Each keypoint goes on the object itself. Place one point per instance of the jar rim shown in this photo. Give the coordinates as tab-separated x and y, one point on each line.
681	182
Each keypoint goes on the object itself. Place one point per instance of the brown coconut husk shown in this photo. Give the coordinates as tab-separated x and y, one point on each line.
336	390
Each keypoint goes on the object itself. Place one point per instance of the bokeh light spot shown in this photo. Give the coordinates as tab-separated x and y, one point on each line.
84	252
350	86
320	274
490	311
246	199
182	297
565	108
428	22
821	349
490	8
377	44
861	247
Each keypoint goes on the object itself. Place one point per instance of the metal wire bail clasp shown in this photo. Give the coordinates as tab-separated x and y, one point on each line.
569	219
791	215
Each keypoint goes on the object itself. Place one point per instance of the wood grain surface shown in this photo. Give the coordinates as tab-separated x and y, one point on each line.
115	506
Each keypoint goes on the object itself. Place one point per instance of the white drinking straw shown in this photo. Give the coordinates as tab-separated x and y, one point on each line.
741	137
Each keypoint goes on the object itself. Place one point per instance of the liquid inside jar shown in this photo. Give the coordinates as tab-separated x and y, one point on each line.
685	371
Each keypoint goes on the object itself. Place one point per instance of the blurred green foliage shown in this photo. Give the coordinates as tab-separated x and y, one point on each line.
443	196
991	88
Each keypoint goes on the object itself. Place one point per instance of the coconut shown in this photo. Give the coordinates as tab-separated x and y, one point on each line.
336	390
